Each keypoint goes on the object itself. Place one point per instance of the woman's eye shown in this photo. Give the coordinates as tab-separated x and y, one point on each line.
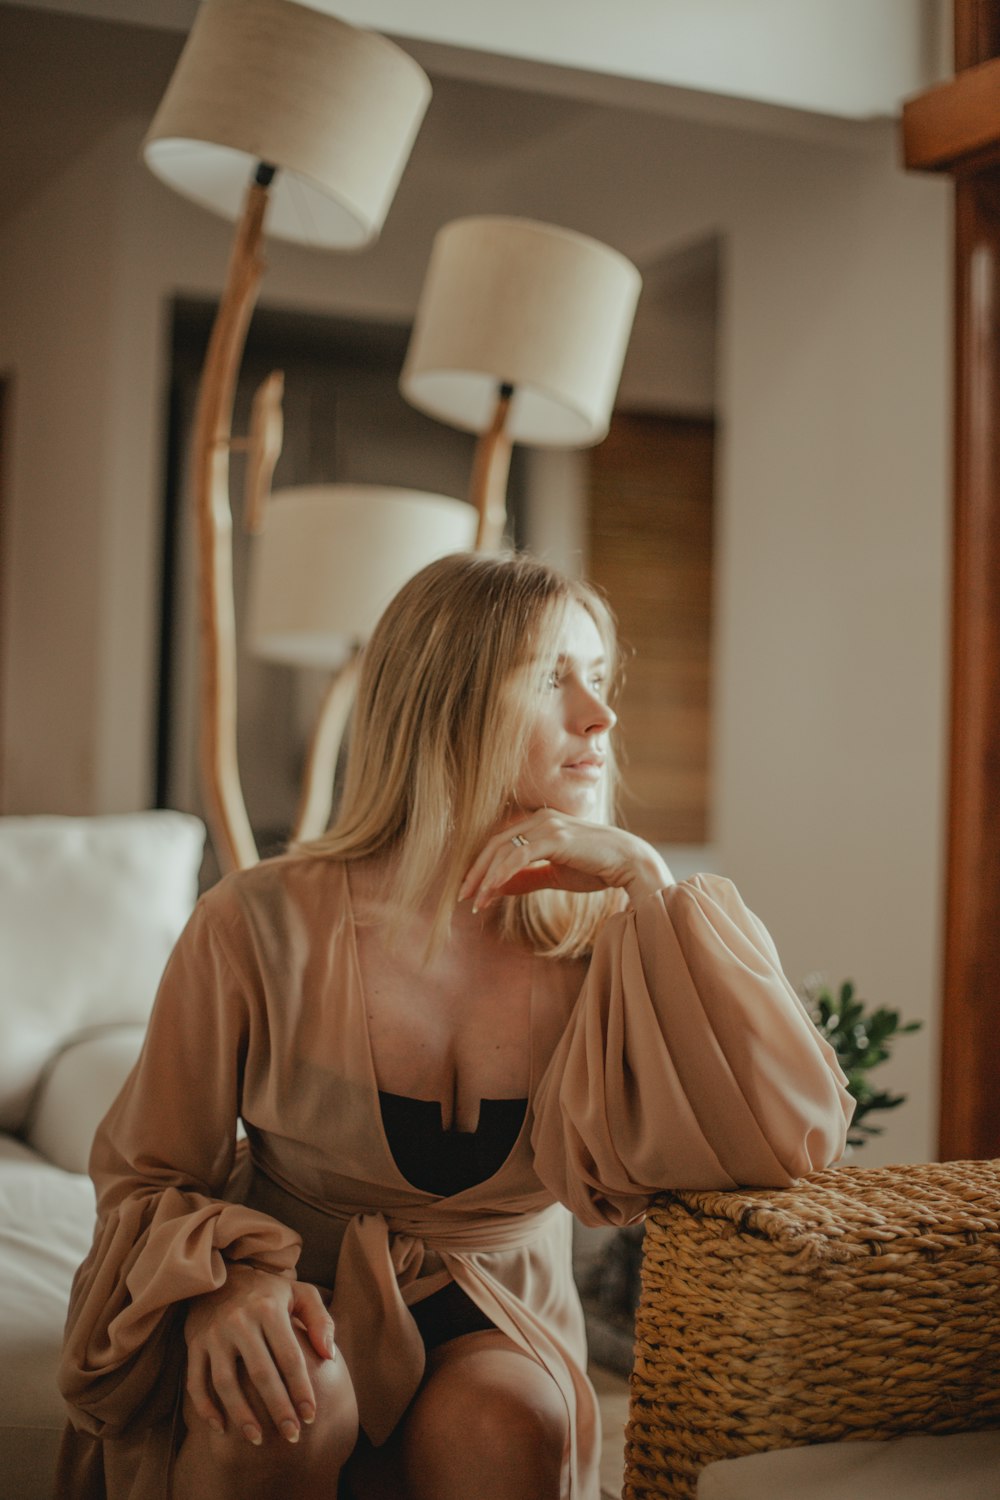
552	680
598	683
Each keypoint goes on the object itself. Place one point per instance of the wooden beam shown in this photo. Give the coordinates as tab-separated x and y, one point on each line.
976	32
970	1045
955	127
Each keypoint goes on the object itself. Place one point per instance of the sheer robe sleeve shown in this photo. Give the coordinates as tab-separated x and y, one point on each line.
688	1061
160	1161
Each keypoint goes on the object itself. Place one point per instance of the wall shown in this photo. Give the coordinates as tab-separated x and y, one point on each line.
833	589
55	339
831	377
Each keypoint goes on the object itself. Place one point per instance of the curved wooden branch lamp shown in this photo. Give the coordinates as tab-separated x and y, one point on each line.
319	117
520	335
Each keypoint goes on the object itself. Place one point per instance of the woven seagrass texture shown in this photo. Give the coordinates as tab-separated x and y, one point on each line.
860	1303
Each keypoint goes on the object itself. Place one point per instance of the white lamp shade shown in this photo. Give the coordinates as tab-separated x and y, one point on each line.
336	109
543	309
330	557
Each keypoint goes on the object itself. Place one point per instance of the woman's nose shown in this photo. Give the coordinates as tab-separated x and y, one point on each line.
594	715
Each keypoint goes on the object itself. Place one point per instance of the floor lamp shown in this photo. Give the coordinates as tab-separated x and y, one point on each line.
276	111
327	560
520	336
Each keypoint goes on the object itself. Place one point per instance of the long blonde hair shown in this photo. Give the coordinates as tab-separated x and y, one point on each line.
438	732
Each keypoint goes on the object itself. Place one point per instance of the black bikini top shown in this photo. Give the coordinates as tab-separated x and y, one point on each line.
442	1161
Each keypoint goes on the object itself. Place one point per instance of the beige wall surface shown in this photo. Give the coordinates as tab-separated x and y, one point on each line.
54	337
825	359
833	589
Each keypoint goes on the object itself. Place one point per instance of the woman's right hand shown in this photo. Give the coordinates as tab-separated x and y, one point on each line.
249	1322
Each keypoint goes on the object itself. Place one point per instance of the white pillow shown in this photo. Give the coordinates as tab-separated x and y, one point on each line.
89	911
76	1092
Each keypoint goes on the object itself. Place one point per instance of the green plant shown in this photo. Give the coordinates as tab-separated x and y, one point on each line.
861	1039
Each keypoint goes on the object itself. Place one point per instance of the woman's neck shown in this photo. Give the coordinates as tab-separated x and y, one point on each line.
372	879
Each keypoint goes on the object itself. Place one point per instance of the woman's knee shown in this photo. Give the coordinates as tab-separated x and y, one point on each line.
496	1412
336	1404
324	1444
504	1419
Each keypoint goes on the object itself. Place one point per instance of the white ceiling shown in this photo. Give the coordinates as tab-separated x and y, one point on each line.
847	59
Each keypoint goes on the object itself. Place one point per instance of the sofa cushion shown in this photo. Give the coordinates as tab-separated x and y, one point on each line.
46	1224
76	1090
89	910
962	1466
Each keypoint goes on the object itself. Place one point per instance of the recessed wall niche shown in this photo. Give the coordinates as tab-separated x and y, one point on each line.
345	421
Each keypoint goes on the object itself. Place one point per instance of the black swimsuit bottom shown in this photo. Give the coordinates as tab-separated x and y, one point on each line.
446	1162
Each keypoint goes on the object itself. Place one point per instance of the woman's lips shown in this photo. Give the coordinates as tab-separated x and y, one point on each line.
589	767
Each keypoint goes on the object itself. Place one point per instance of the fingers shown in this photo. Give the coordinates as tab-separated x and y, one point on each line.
309	1308
199	1390
546	875
543	876
546	851
276	1375
247	1346
282	1381
240	1415
213	1374
499	862
555	850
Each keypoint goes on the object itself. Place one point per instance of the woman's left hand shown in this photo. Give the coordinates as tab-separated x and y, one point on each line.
553	851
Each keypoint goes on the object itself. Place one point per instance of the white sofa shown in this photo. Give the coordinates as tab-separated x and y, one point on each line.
89	910
963	1466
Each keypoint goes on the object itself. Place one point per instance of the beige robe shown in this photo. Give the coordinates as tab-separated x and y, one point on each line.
680	1056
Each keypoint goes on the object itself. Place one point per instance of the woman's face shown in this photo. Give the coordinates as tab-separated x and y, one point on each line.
566	743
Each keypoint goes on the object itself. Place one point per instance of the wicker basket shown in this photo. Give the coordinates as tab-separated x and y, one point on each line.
861	1303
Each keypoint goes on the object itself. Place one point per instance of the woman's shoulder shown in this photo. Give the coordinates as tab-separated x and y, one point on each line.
296	881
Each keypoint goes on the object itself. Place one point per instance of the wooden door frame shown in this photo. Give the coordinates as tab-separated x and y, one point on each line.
6	382
955	128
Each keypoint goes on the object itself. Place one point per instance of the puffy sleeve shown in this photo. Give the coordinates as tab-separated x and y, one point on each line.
688	1061
160	1161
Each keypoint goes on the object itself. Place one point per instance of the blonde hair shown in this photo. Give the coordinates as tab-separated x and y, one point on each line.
437	737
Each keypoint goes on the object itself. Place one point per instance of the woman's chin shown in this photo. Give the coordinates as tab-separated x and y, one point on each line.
577	798
577	801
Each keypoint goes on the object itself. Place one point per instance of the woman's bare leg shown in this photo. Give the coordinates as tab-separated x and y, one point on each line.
488	1422
226	1466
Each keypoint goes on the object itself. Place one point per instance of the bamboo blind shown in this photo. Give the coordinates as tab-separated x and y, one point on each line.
650	541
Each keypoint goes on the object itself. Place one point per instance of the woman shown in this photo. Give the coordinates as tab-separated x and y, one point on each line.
475	1002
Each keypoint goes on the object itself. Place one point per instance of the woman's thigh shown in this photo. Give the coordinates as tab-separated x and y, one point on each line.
488	1421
